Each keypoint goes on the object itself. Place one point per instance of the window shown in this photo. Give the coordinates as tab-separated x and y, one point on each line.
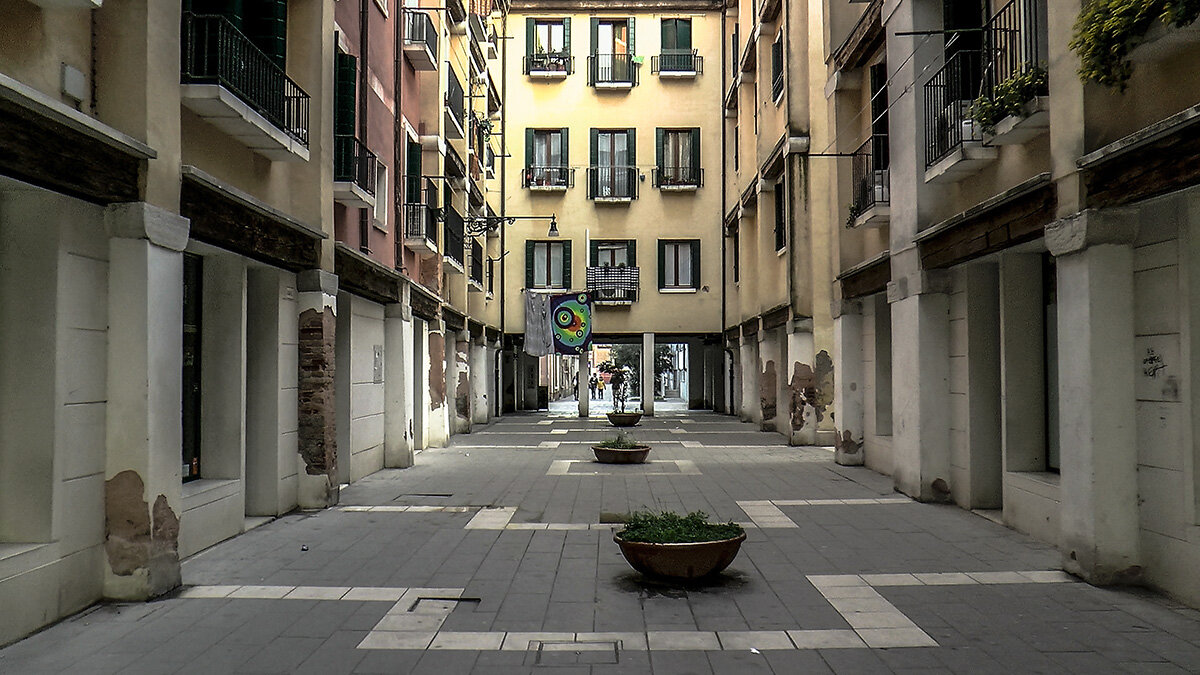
548	45
614	253
678	158
546	158
736	144
678	265
777	68
883	366
737	256
781	218
735	55
193	274
381	196
612	51
613	171
547	264
677	51
1050	359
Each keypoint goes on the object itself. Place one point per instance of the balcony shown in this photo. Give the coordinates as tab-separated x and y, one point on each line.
233	85
548	178
613	183
614	285
421	218
550	66
1015	80
612	71
453	242
455	114
457	10
681	64
678	178
871	183
420	40
953	142
475	275
353	173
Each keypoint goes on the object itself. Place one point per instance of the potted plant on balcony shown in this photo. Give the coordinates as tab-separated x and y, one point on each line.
678	547
621	449
619	382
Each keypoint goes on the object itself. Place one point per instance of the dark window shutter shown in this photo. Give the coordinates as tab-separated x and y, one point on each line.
668	34
594	158
528	264
696	152
695	264
566	155
683	34
345	71
413	169
631	252
595	253
266	26
631	22
631	142
230	9
662	264
567	35
566	280
595	34
530	36
529	148
658	150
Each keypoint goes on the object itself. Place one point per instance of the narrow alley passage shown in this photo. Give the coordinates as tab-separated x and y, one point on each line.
495	555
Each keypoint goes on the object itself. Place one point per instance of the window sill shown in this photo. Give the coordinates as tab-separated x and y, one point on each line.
678	290
677	74
679	188
547	188
613	85
612	200
548	74
780	251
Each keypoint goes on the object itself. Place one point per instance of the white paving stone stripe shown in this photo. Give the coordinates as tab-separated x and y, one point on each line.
562	467
491	519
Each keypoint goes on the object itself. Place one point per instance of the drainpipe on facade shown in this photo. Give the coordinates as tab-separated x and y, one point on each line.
724	172
364	218
503	169
794	191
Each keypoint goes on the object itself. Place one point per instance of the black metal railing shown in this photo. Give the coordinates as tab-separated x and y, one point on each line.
476	273
870	173
453	240
678	176
553	62
548	177
677	61
354	163
1014	39
948	95
419	30
421	210
216	52
454	96
614	284
612	69
612	182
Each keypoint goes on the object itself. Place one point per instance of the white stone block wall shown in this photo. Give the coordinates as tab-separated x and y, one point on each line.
877	442
360	381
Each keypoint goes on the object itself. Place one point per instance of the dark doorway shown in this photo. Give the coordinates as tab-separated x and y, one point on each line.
193	275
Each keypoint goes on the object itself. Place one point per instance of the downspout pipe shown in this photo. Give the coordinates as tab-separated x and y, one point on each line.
724	170
794	168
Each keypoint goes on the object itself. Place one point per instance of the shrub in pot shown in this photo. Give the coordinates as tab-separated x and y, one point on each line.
678	547
619	381
621	449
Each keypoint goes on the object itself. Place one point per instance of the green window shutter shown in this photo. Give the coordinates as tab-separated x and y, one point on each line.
594	158
631	21
528	264
413	171
595	253
662	264
631	142
696	264
266	26
658	149
566	155
345	78
631	252
683	34
595	34
696	151
668	34
567	35
566	280
530	37
529	148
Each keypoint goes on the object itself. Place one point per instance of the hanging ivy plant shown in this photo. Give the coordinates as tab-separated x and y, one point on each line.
1107	30
1009	98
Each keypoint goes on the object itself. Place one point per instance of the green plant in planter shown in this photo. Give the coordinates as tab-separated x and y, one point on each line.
621	441
672	528
1107	30
855	211
1008	98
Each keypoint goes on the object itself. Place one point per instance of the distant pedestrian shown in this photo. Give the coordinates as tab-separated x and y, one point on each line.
600	388
592	386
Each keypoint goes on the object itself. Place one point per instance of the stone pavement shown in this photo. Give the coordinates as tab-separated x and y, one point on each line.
495	556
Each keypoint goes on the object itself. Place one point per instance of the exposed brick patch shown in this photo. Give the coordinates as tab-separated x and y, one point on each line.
318	431
136	538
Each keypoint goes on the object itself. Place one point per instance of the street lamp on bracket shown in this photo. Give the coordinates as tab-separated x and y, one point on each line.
479	225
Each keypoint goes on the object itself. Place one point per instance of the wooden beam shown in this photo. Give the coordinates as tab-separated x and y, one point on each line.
1004	224
867	280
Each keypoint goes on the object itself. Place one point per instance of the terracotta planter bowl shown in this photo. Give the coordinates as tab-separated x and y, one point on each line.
625	419
621	456
680	561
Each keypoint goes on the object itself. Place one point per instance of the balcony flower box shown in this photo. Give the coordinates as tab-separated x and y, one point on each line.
1033	121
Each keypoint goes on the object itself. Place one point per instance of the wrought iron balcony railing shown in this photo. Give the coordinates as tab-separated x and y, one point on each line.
354	163
554	62
216	52
613	182
678	61
453	240
1014	41
870	173
419	32
612	70
948	95
615	285
678	177
549	177
421	213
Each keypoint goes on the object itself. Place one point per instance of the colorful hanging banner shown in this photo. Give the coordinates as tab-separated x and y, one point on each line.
571	321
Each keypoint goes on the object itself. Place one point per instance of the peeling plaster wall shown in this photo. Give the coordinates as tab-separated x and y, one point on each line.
462	386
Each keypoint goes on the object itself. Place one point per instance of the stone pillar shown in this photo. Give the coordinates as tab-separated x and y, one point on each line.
848	395
581	391
437	420
481	378
920	305
751	403
398	377
143	434
317	443
648	374
1097	421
